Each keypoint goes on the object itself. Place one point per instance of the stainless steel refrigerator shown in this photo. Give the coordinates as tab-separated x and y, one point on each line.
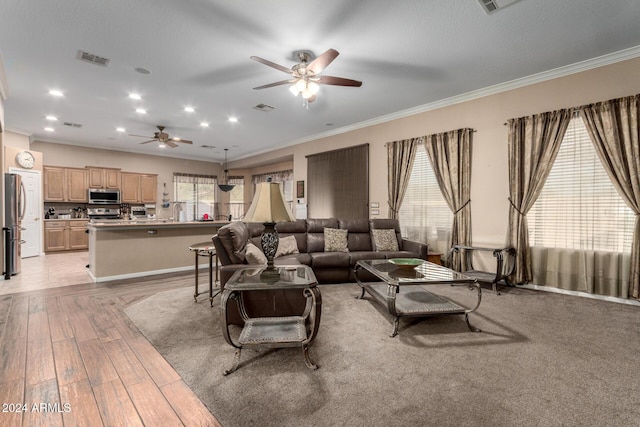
14	208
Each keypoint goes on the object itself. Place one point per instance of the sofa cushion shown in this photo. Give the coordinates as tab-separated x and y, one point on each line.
315	233
359	237
287	245
293	259
233	237
254	255
335	240
297	229
384	239
332	260
385	224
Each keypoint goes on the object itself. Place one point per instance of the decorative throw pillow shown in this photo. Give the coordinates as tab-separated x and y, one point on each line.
287	245
254	255
335	240
385	239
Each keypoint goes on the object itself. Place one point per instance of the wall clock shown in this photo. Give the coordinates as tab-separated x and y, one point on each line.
25	160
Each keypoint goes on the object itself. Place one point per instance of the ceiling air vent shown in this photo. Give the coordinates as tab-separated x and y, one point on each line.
208	146
72	125
264	107
489	6
91	58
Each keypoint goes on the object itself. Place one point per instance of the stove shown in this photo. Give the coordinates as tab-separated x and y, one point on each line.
103	213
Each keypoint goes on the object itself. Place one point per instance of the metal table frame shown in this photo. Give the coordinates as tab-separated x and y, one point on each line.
400	304
295	330
206	249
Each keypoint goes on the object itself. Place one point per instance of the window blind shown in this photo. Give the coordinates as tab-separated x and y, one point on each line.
579	208
424	215
338	183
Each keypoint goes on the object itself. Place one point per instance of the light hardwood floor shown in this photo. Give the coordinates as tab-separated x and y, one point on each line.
70	356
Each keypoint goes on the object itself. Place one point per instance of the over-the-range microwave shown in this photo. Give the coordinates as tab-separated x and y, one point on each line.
100	196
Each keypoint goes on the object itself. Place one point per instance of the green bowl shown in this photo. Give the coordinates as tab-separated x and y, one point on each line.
406	263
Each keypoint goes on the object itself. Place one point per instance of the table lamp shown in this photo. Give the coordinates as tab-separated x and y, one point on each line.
268	206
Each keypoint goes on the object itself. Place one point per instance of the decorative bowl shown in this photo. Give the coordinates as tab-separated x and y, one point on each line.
406	263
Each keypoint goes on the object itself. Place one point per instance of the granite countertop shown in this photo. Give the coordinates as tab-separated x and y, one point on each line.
66	219
137	223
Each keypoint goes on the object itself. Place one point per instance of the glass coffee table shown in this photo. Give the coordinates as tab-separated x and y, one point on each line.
403	290
294	330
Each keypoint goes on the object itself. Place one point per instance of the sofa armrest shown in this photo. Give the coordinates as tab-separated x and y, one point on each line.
417	247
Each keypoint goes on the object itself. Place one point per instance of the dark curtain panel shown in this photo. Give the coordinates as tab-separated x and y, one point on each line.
338	183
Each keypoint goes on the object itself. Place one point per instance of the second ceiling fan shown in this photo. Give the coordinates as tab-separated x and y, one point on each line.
163	138
305	78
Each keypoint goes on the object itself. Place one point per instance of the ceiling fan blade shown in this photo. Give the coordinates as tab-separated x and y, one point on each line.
146	142
272	64
170	144
184	141
338	81
319	64
281	82
141	136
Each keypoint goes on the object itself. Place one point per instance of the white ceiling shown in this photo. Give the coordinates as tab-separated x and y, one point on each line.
407	53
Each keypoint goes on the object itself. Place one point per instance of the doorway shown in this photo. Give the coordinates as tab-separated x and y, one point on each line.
32	220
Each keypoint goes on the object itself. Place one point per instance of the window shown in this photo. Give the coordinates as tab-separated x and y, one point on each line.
424	215
195	195
236	197
338	183
579	208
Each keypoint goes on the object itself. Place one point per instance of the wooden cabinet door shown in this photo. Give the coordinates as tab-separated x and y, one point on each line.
96	177
54	184
148	188
129	187
112	179
78	236
77	180
56	236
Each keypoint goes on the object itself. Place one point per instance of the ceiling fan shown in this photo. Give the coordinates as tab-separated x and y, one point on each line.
305	76
163	138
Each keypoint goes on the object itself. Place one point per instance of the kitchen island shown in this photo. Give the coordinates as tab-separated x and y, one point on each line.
121	249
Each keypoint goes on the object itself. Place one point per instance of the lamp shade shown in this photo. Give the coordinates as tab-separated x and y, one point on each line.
268	205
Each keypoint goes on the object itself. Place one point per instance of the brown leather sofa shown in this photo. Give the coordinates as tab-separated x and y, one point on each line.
328	267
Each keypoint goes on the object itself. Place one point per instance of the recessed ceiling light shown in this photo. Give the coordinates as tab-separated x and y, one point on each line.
120	130
233	119
162	146
55	92
204	124
51	118
49	129
143	70
141	111
135	96
189	109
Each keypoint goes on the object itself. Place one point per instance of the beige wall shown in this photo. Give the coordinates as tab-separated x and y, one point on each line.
72	156
487	116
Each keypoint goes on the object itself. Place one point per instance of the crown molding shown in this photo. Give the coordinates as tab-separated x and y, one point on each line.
600	61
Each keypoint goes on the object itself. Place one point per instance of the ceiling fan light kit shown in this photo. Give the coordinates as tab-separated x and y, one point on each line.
305	79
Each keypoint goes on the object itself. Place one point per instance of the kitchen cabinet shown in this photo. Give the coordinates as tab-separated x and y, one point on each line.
60	235
65	184
104	177
138	188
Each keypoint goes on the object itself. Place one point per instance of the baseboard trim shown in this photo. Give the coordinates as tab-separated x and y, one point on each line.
582	294
139	274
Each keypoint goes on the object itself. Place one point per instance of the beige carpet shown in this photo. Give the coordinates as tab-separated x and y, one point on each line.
542	359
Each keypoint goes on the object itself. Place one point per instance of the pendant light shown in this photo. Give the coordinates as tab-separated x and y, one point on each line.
225	187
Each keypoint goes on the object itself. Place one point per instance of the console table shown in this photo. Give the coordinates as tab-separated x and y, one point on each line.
401	292
295	330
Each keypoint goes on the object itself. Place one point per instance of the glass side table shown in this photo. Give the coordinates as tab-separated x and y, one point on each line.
294	330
